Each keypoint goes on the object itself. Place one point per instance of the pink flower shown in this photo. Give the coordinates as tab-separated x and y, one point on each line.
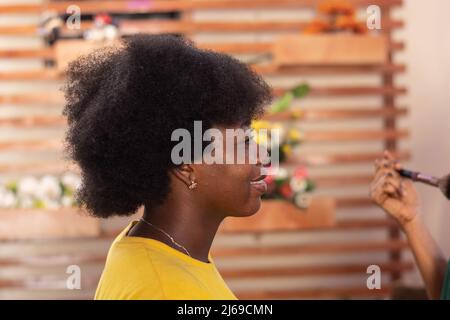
300	173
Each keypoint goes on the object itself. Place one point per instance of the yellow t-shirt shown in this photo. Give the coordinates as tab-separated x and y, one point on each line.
142	268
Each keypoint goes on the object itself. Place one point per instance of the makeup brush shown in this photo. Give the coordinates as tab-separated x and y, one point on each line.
442	183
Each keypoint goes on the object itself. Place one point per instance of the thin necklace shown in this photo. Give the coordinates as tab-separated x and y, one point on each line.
168	235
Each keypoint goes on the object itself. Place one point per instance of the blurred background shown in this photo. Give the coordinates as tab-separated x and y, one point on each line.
351	78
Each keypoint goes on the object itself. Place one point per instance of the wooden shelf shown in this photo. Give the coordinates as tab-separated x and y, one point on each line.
279	215
34	224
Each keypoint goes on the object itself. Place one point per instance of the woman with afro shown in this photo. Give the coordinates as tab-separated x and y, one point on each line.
122	106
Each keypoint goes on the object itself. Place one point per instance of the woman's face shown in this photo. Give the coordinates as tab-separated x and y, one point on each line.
232	189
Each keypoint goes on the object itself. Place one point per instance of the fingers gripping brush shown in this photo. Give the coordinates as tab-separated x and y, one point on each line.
442	183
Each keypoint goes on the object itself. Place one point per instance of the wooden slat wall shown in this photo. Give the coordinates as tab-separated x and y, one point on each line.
349	117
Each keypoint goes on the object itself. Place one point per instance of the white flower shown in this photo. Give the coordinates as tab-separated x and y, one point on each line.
27	186
51	204
26	202
66	201
49	188
7	199
298	185
282	173
110	32
302	199
71	180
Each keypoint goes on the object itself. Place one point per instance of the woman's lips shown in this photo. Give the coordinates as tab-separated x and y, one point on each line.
259	185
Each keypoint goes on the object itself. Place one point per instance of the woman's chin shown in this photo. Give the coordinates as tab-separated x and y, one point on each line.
250	209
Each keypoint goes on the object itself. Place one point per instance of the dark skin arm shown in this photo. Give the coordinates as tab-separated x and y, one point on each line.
398	197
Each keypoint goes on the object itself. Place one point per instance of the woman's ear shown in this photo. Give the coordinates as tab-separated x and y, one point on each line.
185	173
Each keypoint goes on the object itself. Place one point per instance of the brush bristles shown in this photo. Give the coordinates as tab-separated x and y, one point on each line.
444	185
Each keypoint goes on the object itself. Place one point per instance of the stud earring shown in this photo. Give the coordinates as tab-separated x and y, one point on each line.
193	185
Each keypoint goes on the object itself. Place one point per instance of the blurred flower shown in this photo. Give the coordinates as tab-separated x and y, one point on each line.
282	173
260	124
302	200
298	185
336	15
47	192
297	114
290	187
7	198
71	180
336	7
66	201
26	202
27	186
300	173
316	26
49	188
294	135
286	190
286	149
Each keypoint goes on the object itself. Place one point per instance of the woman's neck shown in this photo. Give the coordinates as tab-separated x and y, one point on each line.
190	227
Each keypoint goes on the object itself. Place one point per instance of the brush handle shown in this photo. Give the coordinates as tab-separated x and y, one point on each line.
420	177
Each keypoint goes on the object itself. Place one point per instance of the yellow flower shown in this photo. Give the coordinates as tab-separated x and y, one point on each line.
294	135
260	124
297	114
287	149
260	138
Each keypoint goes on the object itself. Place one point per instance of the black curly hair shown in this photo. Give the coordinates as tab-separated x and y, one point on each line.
123	103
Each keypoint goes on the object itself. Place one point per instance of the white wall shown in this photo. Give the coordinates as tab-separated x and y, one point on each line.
427	35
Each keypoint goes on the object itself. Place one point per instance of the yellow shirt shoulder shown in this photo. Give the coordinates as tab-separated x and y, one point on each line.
142	268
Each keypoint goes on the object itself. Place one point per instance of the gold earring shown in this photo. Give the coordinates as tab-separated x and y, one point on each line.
193	185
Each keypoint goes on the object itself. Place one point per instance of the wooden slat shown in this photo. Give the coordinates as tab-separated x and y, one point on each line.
267	70
31	145
340	292
302	249
353	202
273	70
21	8
306	114
32	98
42	53
51	167
89	7
262	47
39	75
353	135
349	91
19	30
225	47
169	26
131	26
33	121
51	260
304	271
334	159
228	47
356	224
341	180
47	283
353	224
